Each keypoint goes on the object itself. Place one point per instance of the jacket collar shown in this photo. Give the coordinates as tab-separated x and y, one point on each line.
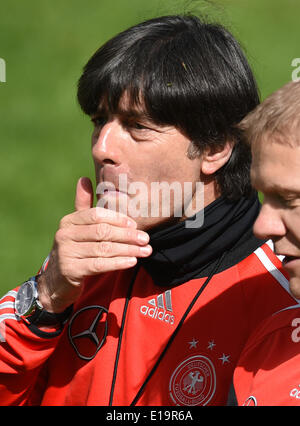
181	253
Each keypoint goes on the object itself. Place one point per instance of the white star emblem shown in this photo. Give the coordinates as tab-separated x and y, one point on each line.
211	345
224	358
193	343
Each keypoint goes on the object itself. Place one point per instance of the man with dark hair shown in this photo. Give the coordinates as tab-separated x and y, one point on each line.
268	370
135	306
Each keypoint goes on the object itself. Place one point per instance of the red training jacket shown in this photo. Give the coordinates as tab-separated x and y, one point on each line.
109	346
268	370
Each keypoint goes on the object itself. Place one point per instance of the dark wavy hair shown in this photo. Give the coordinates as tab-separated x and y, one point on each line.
183	72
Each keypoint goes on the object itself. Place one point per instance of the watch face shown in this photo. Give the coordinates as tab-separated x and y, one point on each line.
25	298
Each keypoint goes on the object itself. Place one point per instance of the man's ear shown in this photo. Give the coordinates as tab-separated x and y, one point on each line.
215	158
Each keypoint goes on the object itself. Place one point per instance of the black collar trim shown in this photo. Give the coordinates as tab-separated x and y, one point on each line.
181	253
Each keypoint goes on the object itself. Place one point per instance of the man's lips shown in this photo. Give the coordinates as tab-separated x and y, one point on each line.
107	187
115	191
110	190
112	181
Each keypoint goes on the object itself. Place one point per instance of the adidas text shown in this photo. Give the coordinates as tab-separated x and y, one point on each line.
156	313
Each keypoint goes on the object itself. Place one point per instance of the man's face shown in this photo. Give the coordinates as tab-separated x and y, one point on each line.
130	148
275	171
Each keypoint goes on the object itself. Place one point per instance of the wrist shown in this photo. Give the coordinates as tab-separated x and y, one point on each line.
48	300
30	309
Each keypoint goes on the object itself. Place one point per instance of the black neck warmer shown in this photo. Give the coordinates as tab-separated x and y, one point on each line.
181	253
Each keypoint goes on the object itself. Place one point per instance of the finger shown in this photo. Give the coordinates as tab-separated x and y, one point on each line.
99	265
101	232
84	194
97	215
107	249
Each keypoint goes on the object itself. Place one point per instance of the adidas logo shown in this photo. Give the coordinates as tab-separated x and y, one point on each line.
160	308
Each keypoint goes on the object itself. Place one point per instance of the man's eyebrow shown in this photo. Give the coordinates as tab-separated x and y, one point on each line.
287	192
124	114
132	114
277	188
267	186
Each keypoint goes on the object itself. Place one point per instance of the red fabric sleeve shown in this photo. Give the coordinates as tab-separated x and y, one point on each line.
23	353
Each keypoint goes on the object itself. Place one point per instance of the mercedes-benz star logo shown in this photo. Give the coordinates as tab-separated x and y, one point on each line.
91	336
251	401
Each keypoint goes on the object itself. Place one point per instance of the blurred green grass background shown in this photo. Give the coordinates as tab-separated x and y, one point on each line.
45	138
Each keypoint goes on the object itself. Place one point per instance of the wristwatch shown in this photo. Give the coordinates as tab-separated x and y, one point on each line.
27	299
29	308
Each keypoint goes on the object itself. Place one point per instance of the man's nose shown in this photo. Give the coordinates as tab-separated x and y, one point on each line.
269	223
106	143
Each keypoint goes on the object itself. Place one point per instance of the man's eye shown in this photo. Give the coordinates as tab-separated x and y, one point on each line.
287	201
138	126
292	202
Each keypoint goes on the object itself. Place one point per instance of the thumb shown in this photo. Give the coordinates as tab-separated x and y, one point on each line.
84	194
